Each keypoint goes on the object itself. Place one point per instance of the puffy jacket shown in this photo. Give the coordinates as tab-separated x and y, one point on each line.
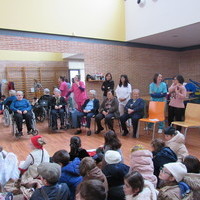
177	144
70	175
164	156
193	180
52	192
141	161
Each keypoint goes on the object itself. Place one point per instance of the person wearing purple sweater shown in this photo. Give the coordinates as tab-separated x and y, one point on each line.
22	110
176	105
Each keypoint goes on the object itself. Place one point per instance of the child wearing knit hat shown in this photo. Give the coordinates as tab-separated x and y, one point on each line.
172	175
38	154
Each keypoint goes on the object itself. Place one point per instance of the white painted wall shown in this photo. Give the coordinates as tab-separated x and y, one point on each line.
158	16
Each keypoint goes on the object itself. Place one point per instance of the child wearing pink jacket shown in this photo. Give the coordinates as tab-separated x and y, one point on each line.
141	161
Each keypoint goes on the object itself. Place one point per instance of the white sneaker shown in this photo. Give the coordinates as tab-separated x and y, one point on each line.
159	130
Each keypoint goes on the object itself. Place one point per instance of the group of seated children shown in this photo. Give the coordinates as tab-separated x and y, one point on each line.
167	172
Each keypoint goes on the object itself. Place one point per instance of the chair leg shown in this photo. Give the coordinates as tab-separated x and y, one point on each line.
154	125
119	124
185	132
138	130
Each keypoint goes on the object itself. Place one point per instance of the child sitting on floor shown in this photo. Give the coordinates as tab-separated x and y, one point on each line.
176	141
141	161
136	188
50	174
161	155
70	170
76	150
172	175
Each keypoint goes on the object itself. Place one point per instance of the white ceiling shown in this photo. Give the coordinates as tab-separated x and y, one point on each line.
181	37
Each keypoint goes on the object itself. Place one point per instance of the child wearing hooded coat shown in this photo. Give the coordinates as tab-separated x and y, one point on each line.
176	141
141	161
172	175
69	171
136	188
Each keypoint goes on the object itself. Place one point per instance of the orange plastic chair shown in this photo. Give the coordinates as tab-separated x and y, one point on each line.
192	117
156	114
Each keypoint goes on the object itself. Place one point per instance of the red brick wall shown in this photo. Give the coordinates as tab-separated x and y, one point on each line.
189	65
139	64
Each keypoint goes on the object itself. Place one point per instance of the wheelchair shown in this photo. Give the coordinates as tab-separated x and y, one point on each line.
7	116
41	110
15	130
66	122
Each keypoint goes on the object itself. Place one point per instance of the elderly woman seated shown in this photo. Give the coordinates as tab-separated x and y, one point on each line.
22	110
45	99
58	108
89	109
134	109
107	110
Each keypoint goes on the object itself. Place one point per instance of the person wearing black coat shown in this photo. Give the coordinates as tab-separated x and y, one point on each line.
115	172
134	109
58	108
107	85
89	109
161	155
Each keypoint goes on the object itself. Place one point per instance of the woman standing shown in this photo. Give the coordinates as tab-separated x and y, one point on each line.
123	92
158	92
176	105
108	84
78	88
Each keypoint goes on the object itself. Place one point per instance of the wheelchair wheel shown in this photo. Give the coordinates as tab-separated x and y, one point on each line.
40	114
6	118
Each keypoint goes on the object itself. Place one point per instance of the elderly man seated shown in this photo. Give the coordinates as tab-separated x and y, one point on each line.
134	109
22	110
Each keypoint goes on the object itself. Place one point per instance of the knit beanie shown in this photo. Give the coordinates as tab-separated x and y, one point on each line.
112	157
37	141
177	169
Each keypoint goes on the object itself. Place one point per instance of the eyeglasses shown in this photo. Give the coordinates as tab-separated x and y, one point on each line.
165	172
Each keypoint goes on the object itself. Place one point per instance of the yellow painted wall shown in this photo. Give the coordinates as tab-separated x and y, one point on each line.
104	19
29	56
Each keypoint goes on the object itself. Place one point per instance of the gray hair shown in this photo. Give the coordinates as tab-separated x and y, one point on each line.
93	92
136	90
46	91
12	93
57	90
20	92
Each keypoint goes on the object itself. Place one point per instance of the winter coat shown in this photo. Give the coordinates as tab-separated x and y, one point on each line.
115	176
164	156
148	193
70	175
193	180
52	192
141	161
97	173
115	173
177	144
173	193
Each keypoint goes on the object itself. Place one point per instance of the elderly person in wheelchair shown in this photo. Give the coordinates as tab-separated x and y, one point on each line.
10	99
57	109
22	110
